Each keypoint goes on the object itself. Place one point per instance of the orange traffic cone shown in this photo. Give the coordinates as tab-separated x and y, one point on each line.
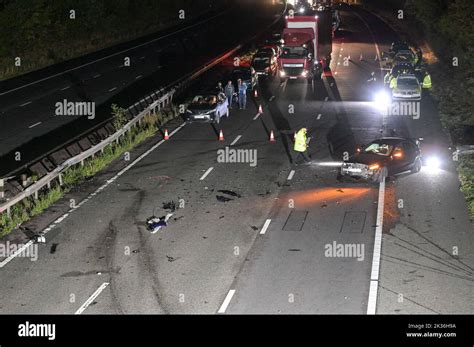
221	136
256	93
260	109
167	137
272	136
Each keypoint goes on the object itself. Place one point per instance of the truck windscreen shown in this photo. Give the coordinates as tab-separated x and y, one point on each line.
294	52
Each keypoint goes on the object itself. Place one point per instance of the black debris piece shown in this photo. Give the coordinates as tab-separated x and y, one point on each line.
221	217
53	248
230	192
294	250
222	198
170	205
254	227
170	259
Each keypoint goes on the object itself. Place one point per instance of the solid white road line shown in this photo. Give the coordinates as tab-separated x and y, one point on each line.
255	118
121	172
236	139
92	298
18	251
112	89
290	176
265	226
319	116
139	76
226	302
206	173
374	276
32	126
26	103
67	87
97	76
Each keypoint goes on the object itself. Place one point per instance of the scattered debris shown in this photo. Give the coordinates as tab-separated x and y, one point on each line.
221	217
230	192
324	205
136	251
99	273
53	248
170	205
170	259
222	198
254	227
39	237
340	190
204	237
154	224
294	250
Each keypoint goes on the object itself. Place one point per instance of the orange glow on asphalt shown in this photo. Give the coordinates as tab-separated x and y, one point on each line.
326	195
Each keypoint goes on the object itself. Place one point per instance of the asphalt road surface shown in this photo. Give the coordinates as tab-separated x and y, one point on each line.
28	107
263	250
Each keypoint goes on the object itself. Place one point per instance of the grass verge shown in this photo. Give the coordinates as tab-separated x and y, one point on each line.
30	207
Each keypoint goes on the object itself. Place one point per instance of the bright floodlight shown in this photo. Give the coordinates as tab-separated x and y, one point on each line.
382	100
433	162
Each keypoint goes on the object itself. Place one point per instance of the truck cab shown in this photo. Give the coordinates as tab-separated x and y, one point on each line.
307	46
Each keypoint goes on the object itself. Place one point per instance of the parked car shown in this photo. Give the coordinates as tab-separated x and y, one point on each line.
247	74
265	62
207	108
383	158
408	88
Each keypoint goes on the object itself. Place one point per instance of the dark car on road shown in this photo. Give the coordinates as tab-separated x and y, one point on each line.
248	76
402	68
207	108
265	62
383	158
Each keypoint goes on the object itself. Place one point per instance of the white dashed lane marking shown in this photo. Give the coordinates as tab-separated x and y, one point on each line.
206	173
32	126
290	176
265	226
92	298
236	139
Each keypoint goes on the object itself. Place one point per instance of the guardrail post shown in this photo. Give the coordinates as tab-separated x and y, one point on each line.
23	178
60	179
8	211
2	188
36	195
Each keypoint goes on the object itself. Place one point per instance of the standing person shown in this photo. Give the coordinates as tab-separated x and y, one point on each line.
229	92
242	88
219	88
427	81
393	82
386	78
301	145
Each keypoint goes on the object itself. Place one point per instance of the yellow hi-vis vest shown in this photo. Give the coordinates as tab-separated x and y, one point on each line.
427	82
300	141
393	83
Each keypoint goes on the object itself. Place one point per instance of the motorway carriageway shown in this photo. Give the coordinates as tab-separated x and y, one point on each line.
262	251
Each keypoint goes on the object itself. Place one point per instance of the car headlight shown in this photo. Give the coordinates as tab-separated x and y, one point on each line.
433	162
282	73
304	73
374	167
